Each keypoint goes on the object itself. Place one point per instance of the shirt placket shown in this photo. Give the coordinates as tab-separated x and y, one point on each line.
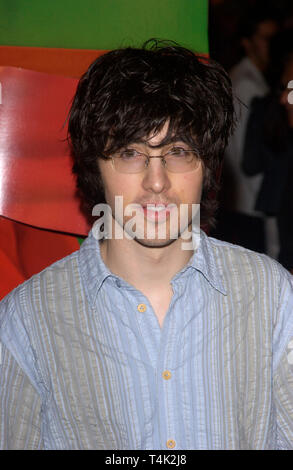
160	346
148	334
166	380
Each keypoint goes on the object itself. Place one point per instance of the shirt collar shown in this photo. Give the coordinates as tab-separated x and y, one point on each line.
92	267
94	271
204	261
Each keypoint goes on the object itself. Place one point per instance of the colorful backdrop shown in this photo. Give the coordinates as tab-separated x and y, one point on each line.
102	24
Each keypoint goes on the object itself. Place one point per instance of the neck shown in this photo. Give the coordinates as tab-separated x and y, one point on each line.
144	267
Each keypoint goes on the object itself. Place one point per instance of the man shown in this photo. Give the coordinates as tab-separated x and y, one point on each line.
240	222
269	144
139	341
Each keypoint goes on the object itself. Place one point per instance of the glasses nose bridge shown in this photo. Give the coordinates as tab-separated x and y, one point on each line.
162	158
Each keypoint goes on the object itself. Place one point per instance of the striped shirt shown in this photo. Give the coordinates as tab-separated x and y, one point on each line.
85	364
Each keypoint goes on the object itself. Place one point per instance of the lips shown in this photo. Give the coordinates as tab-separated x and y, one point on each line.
156	212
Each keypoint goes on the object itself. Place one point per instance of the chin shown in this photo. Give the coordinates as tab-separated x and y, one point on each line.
156	243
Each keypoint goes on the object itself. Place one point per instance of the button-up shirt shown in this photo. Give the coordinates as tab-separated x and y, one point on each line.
85	364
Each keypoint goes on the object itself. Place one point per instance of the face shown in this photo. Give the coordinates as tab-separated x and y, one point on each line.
155	193
285	99
257	47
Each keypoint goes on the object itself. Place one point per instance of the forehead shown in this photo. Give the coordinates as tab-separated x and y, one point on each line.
154	139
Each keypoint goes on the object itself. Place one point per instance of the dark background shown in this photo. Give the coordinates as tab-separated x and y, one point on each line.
224	17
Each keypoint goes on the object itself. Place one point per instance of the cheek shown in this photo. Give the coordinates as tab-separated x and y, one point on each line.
108	181
119	185
191	188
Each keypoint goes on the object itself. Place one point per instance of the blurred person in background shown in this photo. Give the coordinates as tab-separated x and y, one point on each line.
268	149
238	222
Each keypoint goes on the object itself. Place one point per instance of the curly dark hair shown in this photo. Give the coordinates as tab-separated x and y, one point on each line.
129	93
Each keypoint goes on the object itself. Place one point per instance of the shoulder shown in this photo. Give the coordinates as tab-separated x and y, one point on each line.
29	313
252	275
235	260
28	296
256	281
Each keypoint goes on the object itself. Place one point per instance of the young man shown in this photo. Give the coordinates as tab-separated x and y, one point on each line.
136	342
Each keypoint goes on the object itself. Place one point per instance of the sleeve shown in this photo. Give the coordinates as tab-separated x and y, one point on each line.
20	407
283	397
283	368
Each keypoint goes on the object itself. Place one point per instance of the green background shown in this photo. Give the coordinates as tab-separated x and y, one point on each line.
103	24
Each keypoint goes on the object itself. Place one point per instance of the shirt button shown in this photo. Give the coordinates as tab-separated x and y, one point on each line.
171	444
166	375
141	308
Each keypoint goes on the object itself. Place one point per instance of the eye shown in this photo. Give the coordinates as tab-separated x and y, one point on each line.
178	151
128	154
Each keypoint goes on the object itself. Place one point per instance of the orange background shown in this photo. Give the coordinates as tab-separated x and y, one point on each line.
28	188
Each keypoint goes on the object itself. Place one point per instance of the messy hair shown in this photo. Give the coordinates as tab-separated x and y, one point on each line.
129	93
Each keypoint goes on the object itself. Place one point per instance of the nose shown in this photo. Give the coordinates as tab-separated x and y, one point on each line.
156	177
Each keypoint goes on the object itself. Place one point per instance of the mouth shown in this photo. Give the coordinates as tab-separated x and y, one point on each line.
157	212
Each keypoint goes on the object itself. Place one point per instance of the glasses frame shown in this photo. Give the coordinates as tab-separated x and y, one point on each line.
163	159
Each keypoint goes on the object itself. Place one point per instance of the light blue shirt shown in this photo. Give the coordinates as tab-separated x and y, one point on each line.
85	364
